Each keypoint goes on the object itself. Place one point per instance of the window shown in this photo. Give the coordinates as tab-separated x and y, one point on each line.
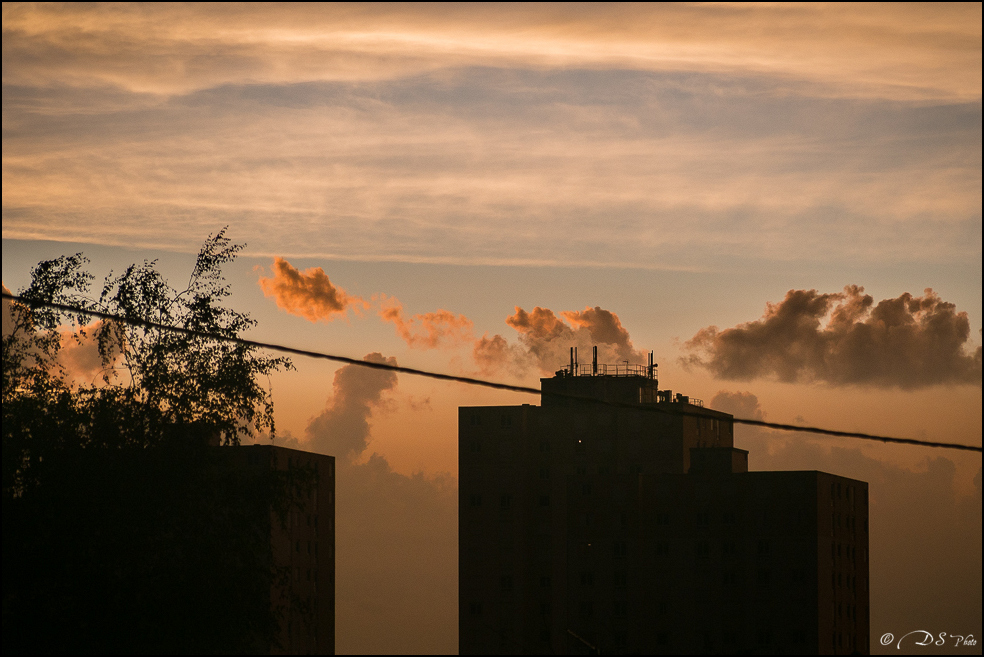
505	502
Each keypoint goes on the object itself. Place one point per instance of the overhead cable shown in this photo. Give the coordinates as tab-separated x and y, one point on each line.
475	381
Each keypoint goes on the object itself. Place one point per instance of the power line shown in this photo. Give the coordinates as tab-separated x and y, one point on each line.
474	381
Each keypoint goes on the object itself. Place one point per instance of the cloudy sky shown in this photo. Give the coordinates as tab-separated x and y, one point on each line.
782	202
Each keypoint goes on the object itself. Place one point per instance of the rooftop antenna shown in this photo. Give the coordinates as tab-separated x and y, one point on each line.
594	361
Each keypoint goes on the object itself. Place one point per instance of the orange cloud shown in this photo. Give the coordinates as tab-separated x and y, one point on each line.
546	340
343	429
907	342
494	354
79	353
427	330
308	294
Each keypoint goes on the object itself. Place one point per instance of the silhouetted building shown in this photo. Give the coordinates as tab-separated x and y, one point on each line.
303	541
635	527
176	548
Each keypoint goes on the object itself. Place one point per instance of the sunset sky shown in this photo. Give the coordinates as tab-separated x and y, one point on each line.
474	189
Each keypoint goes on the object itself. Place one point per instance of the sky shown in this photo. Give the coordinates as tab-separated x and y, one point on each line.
782	202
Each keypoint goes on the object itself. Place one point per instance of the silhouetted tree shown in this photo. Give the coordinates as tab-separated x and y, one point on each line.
123	530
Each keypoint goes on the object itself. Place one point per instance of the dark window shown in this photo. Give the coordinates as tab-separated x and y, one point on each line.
505	502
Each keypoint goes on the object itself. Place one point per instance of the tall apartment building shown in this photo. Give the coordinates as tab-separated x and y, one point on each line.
634	526
303	543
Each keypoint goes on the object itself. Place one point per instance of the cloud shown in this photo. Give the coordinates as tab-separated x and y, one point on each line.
308	294
548	339
496	354
843	339
896	51
342	429
740	404
79	352
6	313
432	330
78	357
396	535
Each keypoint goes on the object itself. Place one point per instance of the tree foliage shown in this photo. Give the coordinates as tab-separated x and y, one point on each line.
124	530
152	380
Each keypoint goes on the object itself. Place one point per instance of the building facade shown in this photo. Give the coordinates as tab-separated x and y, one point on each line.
302	536
634	526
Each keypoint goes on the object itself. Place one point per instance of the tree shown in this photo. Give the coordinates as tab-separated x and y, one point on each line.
123	530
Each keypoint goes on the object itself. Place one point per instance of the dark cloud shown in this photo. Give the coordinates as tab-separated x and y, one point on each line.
396	582
845	338
308	294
